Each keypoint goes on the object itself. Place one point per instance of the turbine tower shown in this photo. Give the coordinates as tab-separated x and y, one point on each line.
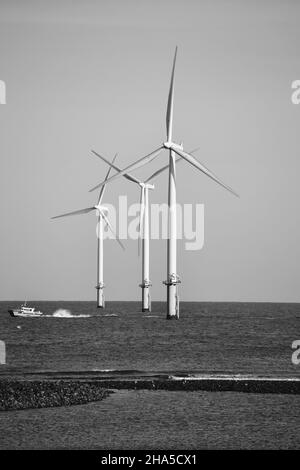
102	220
172	280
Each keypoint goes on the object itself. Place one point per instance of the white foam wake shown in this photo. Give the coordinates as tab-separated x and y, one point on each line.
63	313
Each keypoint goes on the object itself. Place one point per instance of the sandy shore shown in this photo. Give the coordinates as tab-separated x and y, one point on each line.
21	395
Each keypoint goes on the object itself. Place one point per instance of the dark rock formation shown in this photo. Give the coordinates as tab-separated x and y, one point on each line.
20	395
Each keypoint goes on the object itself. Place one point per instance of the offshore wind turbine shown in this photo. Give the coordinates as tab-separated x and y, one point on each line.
144	229
173	148
102	220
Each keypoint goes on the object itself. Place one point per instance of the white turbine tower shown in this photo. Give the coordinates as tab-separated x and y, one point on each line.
173	148
102	219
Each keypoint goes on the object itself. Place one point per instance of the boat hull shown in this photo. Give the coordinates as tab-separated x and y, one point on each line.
15	313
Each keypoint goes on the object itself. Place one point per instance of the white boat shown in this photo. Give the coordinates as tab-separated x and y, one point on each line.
25	311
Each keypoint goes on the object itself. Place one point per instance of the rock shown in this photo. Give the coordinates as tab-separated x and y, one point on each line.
20	395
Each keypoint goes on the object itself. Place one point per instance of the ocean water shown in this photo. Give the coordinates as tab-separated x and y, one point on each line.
227	338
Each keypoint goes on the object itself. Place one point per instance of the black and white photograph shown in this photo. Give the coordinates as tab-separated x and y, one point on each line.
150	229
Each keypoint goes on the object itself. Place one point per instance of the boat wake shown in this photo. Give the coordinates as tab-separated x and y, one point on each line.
63	313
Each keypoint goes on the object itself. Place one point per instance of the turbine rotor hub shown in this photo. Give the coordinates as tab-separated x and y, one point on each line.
102	209
172	145
146	185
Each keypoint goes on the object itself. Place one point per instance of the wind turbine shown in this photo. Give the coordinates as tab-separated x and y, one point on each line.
144	229
173	148
102	219
144	234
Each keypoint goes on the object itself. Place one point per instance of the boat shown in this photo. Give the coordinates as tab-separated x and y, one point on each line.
25	311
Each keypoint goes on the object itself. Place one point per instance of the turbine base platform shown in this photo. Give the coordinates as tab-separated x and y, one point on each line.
100	286
172	317
146	283
172	281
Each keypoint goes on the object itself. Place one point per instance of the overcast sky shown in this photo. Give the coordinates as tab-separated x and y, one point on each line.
95	74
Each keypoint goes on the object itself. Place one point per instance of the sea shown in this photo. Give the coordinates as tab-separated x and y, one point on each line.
225	338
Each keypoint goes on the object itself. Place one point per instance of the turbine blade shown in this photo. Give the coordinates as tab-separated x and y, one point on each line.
111	164
111	229
81	211
194	150
202	168
141	162
169	117
106	178
158	172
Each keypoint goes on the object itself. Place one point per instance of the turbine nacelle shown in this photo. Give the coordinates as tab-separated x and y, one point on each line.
147	185
172	145
100	209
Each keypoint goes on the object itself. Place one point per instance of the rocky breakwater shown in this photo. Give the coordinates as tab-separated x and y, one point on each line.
21	395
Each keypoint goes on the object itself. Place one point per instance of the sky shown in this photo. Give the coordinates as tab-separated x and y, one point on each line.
95	75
